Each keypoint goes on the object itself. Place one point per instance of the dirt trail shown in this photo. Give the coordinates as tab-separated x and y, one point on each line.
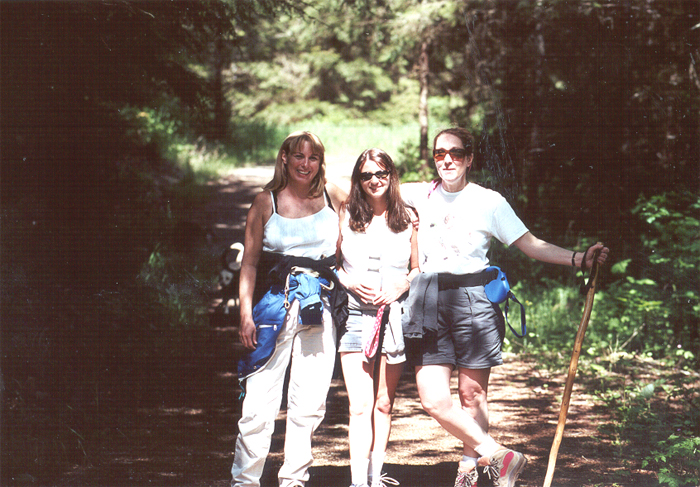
185	435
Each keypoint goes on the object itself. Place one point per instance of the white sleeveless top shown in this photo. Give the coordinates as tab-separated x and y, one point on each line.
377	255
314	236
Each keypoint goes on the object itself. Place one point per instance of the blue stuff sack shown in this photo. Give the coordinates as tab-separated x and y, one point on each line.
498	291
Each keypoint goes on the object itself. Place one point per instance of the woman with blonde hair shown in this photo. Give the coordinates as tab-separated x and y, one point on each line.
286	285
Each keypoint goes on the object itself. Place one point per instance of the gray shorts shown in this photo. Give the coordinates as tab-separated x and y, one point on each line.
360	325
470	332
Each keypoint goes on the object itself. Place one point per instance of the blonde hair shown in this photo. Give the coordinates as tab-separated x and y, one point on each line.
291	144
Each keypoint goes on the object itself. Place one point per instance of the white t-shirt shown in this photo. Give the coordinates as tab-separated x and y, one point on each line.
456	228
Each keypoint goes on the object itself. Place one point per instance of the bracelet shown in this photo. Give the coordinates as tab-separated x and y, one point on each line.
573	262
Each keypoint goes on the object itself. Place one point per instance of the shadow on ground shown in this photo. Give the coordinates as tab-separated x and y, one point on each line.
178	427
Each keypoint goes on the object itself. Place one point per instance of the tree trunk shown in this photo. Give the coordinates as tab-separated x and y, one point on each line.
423	105
220	126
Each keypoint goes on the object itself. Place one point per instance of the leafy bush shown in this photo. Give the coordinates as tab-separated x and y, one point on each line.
645	413
410	166
652	309
655	307
645	320
678	458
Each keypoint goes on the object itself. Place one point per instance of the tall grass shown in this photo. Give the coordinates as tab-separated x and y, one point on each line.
345	141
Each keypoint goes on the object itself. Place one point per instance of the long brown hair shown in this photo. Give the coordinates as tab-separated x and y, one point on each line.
291	144
358	207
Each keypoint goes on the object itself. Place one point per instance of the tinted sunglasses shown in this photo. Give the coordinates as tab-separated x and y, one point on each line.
455	154
367	176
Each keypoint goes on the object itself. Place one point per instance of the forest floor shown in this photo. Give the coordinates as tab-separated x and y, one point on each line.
184	435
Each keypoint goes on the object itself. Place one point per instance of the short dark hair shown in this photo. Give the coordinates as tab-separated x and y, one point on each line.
462	134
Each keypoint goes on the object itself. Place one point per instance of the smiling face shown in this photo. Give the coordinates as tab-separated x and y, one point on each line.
455	164
376	186
302	163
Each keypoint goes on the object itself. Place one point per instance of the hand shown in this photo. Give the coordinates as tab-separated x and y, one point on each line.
391	292
590	253
365	293
248	333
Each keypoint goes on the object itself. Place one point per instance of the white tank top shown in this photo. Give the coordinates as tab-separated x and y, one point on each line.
314	236
377	255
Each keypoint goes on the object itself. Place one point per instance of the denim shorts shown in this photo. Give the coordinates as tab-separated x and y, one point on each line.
360	325
470	332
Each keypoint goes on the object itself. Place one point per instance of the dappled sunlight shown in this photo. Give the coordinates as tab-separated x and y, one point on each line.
182	411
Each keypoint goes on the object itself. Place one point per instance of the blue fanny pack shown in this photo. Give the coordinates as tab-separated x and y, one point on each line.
498	291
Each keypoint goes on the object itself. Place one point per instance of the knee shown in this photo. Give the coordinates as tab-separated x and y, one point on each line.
436	407
359	409
472	397
383	405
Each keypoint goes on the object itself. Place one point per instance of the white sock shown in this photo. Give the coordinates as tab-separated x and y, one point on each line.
376	464
358	471
467	463
487	448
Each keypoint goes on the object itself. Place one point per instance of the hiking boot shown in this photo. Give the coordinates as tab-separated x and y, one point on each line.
384	481
505	467
466	478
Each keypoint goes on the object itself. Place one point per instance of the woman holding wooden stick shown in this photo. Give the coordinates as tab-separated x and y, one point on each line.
458	218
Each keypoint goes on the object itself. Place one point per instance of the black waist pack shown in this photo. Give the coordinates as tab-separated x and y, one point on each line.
498	291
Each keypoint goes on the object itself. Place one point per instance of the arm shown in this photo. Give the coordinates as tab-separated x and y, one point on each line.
367	294
338	196
538	249
339	244
249	267
415	266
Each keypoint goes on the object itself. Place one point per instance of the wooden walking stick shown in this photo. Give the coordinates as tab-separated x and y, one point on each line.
592	281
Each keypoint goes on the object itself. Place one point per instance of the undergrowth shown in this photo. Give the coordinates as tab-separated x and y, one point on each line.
656	412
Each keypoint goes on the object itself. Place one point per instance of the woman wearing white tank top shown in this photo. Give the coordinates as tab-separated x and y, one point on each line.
379	258
294	215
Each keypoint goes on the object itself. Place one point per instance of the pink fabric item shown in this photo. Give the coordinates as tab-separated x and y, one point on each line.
373	342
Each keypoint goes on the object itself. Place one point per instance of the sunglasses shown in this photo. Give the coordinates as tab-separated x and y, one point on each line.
455	154
367	176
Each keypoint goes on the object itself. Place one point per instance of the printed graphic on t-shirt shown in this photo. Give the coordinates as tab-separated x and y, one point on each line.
453	236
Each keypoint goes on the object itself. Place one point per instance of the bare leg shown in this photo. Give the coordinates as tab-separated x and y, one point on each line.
473	389
360	387
433	383
389	375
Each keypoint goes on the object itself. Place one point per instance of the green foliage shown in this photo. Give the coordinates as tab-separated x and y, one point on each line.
652	307
179	285
255	141
345	140
678	460
411	167
655	307
644	414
